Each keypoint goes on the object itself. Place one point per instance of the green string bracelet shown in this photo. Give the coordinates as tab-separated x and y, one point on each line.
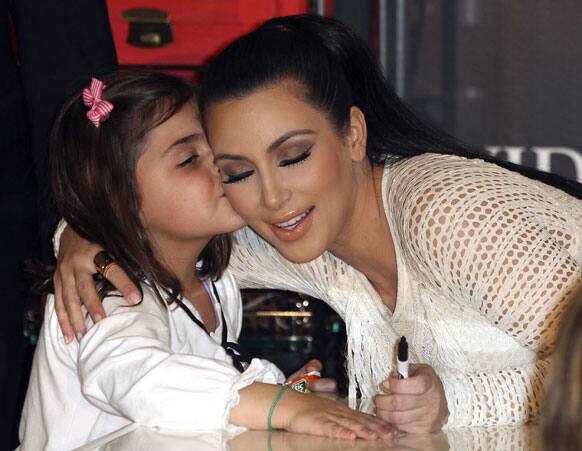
272	409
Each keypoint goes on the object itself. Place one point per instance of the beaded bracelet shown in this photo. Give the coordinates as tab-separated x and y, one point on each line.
272	409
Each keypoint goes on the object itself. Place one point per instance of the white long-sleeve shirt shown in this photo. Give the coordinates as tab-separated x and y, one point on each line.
486	260
147	364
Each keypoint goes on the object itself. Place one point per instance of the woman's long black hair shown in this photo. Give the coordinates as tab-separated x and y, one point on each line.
336	69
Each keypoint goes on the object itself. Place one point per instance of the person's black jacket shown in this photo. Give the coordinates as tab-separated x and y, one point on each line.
48	49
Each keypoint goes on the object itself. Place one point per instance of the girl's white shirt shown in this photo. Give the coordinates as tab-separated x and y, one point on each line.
146	364
487	260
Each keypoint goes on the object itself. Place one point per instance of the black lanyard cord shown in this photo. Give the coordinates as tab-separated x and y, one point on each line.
240	359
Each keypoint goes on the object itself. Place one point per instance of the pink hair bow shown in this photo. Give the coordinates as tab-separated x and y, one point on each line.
100	108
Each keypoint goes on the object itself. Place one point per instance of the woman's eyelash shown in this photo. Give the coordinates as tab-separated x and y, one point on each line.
283	163
302	157
188	160
238	177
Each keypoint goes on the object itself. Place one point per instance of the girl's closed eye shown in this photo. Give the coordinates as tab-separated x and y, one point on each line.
190	160
296	159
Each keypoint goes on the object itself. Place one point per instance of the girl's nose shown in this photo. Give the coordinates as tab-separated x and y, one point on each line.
214	169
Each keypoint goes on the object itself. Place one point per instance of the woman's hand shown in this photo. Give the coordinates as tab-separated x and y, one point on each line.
74	284
323	385
416	404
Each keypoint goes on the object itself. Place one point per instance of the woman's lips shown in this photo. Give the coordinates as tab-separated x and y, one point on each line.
295	227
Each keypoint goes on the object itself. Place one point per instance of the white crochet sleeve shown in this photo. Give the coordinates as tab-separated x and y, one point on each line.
256	264
500	243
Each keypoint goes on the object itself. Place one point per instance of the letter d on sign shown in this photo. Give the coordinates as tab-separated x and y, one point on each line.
544	157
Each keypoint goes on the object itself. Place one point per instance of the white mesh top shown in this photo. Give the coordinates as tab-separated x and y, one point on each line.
487	259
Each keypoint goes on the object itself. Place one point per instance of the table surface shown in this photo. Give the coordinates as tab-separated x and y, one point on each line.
501	438
135	437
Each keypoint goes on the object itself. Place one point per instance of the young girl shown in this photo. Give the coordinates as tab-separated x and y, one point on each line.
133	172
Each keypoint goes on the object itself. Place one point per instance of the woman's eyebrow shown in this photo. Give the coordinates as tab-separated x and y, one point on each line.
278	142
281	139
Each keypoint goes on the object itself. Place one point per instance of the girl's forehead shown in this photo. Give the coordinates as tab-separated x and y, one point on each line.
183	123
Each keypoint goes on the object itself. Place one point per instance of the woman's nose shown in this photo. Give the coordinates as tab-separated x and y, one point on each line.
274	195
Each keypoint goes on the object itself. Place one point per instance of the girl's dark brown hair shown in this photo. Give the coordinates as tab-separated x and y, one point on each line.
94	183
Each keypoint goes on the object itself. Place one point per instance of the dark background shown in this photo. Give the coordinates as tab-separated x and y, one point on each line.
506	75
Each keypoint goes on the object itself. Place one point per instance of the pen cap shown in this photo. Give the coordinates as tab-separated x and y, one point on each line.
403	350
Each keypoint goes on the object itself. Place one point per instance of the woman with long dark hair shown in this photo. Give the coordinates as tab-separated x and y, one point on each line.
402	229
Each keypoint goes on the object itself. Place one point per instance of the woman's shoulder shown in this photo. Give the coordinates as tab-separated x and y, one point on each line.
443	173
425	183
441	204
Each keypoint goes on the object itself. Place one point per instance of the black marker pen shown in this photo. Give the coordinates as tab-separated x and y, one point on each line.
402	362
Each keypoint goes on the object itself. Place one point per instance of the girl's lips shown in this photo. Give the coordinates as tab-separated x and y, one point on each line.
295	227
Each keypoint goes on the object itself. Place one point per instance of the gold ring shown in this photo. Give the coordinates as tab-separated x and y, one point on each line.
103	263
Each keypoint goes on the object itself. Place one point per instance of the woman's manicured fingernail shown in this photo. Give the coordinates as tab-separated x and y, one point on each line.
79	336
98	317
386	384
134	298
68	339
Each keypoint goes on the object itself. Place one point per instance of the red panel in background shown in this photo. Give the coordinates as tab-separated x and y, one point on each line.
200	28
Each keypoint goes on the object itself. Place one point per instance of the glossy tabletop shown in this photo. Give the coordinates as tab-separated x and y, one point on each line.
134	437
501	438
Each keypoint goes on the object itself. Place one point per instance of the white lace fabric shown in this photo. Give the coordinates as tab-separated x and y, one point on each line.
487	260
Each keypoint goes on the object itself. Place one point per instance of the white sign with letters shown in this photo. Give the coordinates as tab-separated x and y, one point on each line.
543	156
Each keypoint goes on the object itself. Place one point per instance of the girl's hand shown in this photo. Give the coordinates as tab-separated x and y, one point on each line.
323	385
309	414
416	404
73	281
